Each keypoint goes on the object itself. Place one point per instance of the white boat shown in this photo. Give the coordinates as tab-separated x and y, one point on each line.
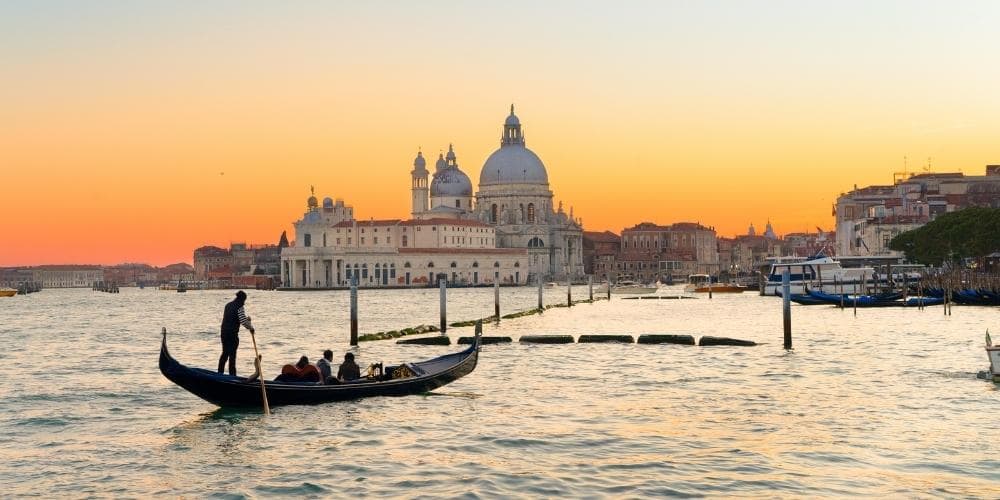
823	274
631	287
551	284
993	351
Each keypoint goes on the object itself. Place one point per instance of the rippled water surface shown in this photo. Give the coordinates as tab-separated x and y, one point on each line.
885	403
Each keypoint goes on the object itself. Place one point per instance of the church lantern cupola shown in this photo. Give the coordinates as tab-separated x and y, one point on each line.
512	130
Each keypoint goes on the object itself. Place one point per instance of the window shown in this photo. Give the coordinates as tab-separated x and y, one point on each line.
406	265
517	264
496	264
430	264
453	264
308	240
362	240
338	241
348	240
376	240
475	264
364	270
536	242
458	203
404	240
493	213
531	213
324	239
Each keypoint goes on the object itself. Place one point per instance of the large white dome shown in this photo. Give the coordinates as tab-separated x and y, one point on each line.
513	164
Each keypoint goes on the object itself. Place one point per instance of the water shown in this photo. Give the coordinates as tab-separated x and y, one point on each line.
883	404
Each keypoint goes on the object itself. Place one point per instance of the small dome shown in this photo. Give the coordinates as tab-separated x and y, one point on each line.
451	182
327	202
450	157
441	163
313	217
312	202
512	118
419	163
513	164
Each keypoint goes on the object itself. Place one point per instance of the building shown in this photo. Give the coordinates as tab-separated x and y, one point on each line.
868	218
240	265
514	197
507	231
650	252
599	251
67	276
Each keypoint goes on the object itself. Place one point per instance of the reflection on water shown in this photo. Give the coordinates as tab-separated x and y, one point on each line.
884	404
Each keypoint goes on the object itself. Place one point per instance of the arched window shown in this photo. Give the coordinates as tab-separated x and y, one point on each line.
531	213
453	264
496	264
430	264
475	264
406	265
493	214
536	242
517	264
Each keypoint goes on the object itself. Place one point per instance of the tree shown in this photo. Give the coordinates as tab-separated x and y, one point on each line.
973	232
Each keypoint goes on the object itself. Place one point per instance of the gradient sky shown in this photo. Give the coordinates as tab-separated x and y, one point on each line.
137	131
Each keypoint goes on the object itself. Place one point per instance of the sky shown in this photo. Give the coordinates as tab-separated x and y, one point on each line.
139	131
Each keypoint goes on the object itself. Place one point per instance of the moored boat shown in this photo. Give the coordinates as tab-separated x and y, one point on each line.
993	351
821	273
400	380
631	287
7	292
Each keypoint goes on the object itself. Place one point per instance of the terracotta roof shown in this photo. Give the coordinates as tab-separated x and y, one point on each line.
475	251
606	236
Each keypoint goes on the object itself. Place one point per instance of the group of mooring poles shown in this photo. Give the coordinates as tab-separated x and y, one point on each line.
443	287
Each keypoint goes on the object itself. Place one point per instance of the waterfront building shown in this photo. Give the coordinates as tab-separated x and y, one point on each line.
241	265
67	276
650	252
869	217
509	227
599	251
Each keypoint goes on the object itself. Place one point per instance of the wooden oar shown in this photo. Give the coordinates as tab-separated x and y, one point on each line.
260	374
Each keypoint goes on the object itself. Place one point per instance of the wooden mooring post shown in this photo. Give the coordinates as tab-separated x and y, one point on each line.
590	286
354	311
786	306
541	305
443	285
496	299
569	292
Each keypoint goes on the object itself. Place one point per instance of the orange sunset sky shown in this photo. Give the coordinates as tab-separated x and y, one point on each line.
138	131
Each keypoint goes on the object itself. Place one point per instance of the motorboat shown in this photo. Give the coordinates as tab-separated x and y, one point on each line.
632	287
993	351
702	283
821	274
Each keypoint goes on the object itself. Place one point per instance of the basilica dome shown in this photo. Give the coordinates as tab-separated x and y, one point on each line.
451	182
513	163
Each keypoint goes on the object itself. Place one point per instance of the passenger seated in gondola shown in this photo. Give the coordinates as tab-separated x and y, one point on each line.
326	368
299	372
349	370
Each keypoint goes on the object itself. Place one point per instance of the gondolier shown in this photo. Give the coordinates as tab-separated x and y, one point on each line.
232	318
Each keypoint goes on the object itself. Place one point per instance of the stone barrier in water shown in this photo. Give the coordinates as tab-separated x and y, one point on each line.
485	340
546	339
709	341
595	339
435	340
667	339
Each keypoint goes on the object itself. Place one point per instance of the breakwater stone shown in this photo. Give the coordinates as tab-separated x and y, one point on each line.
546	339
436	340
666	339
485	340
594	339
708	341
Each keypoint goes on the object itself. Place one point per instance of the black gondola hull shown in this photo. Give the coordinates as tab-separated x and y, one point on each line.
228	391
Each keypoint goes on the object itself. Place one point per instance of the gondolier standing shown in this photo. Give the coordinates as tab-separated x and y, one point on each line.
232	318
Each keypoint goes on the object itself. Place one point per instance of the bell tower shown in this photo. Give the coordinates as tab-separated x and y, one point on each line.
419	187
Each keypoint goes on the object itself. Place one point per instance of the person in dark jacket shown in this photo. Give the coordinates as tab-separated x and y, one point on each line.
232	318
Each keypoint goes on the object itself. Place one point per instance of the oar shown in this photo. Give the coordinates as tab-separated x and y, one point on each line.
256	363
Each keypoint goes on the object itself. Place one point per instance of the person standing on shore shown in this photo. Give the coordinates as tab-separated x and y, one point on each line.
232	317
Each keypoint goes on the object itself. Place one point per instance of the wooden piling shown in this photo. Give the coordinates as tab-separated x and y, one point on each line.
443	286
609	287
786	306
590	286
496	299
354	312
541	305
569	292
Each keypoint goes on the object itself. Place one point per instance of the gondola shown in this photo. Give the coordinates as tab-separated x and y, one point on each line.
401	380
